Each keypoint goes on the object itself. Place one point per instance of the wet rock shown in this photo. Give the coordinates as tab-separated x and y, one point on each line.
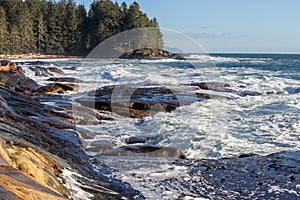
141	102
64	79
71	68
100	146
226	178
292	90
248	93
246	155
214	86
46	71
145	151
17	79
49	89
34	145
88	116
150	53
216	95
146	101
67	86
137	140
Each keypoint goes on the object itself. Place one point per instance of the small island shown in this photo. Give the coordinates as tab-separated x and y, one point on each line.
151	53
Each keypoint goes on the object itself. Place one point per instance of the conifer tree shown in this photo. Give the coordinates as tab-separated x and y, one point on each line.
62	27
3	32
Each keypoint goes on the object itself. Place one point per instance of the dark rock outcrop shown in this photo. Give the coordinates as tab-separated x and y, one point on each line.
64	79
145	151
145	101
215	86
17	80
40	141
137	140
149	53
44	69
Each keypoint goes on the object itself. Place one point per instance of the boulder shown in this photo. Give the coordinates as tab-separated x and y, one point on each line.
214	86
64	79
16	79
145	151
8	66
137	140
49	89
67	86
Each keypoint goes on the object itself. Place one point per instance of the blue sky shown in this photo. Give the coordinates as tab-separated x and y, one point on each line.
269	26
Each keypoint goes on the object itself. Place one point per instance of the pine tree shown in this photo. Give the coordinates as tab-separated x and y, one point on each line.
70	28
25	27
3	32
62	27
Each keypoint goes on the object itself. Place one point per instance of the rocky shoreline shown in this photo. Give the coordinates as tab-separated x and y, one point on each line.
43	154
35	56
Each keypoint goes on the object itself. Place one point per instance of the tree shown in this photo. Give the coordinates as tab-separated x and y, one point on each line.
25	28
62	27
70	28
3	32
82	33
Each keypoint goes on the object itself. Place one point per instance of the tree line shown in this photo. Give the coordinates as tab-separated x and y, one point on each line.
63	27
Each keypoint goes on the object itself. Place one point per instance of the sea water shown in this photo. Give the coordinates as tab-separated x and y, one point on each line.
214	128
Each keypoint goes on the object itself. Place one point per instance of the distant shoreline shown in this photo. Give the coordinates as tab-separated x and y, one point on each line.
35	56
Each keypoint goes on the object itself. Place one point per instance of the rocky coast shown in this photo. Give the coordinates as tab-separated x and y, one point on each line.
43	154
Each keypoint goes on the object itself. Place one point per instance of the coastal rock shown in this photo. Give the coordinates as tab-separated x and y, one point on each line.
64	79
145	151
17	79
150	53
44	69
67	86
43	142
100	146
26	171
88	116
8	66
137	140
292	90
214	86
141	102
274	176
49	89
146	101
248	93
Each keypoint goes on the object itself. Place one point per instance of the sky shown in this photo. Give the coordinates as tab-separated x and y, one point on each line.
230	26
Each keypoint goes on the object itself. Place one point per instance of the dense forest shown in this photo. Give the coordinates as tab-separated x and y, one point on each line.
63	27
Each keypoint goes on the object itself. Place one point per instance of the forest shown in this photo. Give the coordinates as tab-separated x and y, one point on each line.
65	28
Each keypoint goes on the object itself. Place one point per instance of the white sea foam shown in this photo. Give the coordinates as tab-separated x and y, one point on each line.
213	128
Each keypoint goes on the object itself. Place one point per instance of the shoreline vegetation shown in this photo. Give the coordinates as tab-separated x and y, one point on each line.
64	28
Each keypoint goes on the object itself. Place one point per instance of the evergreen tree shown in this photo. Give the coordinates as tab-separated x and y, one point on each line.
25	28
70	28
3	32
82	30
62	27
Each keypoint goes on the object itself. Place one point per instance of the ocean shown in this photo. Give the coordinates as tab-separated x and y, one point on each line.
266	120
